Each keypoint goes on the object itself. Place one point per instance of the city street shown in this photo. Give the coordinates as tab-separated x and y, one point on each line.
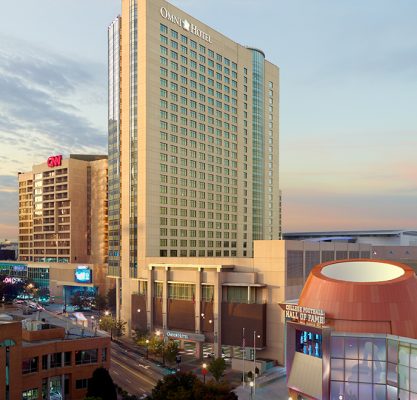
131	372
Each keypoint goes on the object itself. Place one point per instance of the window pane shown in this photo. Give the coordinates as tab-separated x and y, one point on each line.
404	377
380	370
337	369
351	370
351	390
392	374
336	389
351	347
392	351
380	392
365	349
413	380
337	347
413	357
380	349
404	354
392	393
365	391
365	371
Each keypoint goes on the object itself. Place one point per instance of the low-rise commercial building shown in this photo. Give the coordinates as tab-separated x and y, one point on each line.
353	333
41	360
210	302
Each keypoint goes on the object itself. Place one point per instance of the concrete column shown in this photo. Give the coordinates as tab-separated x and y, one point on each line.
165	300
217	314
197	300
118	298
197	308
149	300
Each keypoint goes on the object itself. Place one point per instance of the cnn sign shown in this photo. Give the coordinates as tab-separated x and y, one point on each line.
54	161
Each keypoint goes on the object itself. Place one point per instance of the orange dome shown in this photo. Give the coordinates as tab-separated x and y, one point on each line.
372	296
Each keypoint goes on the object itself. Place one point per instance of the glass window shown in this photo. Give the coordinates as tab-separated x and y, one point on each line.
392	393
365	371
392	374
365	349
351	390
413	380
380	371
30	365
86	356
404	377
393	351
351	370
337	369
380	349
380	392
365	391
338	347
336	389
351	347
31	394
404	354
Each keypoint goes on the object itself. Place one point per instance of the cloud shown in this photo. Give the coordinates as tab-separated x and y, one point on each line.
46	102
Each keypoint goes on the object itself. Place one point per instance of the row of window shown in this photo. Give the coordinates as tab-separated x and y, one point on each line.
62	359
202	49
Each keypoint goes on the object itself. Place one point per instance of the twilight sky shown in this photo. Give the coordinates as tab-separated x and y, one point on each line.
348	98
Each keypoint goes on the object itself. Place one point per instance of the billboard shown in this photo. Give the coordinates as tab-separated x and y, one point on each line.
83	274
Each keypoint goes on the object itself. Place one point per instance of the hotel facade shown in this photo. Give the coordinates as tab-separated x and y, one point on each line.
63	225
193	165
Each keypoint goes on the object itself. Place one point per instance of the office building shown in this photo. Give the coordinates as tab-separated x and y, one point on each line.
193	140
44	360
353	333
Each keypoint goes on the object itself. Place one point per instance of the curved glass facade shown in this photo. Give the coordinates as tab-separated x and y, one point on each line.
258	141
114	147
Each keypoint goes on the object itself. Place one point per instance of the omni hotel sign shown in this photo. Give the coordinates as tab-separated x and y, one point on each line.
183	23
304	315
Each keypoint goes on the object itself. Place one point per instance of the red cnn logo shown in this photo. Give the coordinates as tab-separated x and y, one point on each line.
54	161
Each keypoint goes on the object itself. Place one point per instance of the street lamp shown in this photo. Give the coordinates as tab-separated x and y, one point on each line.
255	336
204	371
147	348
251	384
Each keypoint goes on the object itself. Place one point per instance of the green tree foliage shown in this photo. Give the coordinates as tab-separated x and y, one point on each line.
92	398
101	385
80	301
217	368
9	291
106	323
120	327
186	386
170	350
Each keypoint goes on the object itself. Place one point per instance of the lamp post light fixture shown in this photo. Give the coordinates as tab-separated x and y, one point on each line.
147	348
204	371
251	384
255	336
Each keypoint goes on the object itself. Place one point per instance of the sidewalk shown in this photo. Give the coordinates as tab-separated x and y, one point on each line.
271	386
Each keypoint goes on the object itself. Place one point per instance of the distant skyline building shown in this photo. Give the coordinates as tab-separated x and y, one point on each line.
193	140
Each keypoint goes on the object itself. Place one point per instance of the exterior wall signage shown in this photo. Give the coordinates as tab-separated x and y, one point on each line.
83	274
305	315
185	336
54	161
183	23
12	280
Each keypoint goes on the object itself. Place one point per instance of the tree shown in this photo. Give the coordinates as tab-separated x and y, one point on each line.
100	302
92	398
186	386
80	301
170	350
120	327
106	323
101	385
217	368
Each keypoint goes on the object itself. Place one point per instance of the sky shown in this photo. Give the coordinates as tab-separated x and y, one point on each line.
348	97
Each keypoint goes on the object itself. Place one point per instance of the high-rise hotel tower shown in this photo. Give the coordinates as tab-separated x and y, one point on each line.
193	140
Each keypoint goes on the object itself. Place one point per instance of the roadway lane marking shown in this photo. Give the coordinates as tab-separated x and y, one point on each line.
143	377
116	373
